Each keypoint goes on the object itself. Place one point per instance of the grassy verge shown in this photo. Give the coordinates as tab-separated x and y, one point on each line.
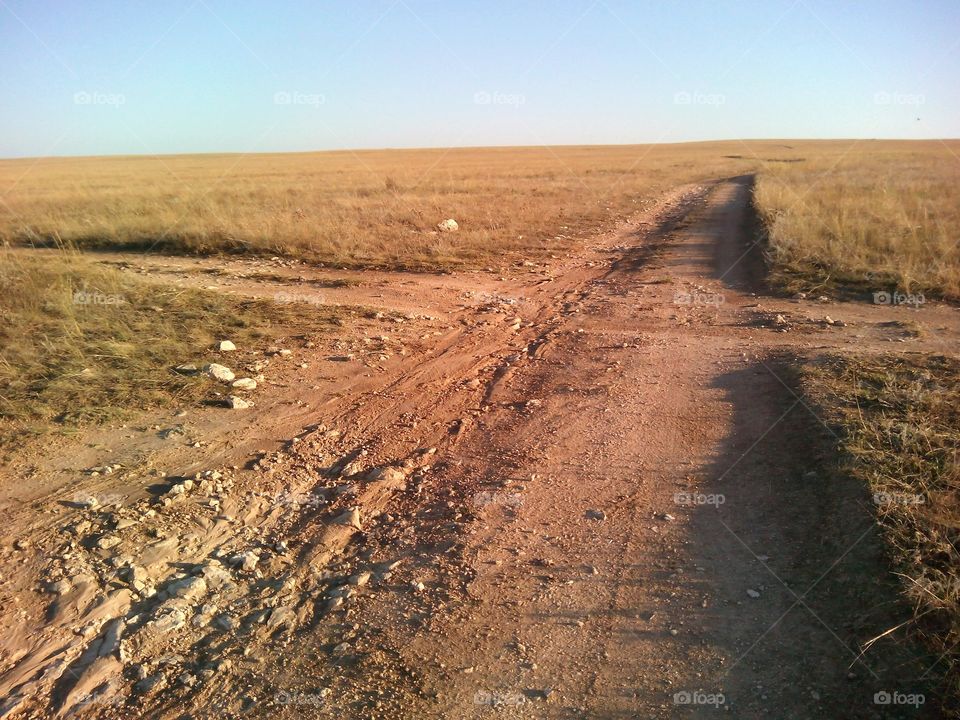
901	435
870	218
81	343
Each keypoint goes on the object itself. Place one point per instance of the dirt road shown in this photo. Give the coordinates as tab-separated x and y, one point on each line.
584	490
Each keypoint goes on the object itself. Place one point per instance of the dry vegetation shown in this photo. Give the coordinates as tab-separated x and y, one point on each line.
901	422
875	216
81	343
365	208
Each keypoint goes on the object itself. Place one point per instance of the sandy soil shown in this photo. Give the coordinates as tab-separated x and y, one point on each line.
579	489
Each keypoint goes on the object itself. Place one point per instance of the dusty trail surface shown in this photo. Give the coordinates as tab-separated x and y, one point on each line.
580	489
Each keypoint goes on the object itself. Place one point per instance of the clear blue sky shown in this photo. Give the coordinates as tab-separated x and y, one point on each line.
140	76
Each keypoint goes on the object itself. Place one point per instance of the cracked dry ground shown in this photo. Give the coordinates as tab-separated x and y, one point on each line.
588	489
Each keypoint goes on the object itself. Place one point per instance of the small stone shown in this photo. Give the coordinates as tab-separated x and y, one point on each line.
186	369
226	346
246	561
220	373
341	650
334	603
61	587
448	225
238	403
244	384
107	542
593	514
360	579
189	588
753	593
226	622
186	679
351	518
149	683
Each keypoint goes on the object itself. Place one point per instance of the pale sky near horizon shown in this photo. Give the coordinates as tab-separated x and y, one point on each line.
182	76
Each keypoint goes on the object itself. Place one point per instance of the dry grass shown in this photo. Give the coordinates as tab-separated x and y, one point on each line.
901	423
878	216
80	343
365	208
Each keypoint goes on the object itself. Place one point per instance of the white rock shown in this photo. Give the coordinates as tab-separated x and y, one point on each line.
226	346
246	561
189	588
238	403
448	225
753	593
220	373
244	384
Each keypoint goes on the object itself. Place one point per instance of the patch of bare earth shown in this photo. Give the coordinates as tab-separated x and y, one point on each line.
585	488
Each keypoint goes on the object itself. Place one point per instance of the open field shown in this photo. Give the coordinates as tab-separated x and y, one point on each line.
872	217
363	208
600	464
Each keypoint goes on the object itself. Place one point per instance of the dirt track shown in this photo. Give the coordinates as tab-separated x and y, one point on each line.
613	473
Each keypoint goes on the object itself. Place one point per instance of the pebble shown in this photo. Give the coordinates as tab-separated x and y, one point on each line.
220	373
238	403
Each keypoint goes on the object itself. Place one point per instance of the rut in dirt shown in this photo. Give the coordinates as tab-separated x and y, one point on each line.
660	531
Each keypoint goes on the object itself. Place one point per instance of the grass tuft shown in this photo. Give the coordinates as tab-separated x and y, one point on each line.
901	436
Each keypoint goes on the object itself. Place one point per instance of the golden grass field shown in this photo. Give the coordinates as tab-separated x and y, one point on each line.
870	213
363	208
877	216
